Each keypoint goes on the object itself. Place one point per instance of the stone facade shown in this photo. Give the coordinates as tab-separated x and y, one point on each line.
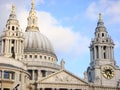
28	61
103	69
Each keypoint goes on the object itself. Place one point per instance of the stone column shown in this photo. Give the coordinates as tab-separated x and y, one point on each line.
102	52
2	73
109	52
90	55
10	76
5	46
99	52
113	52
10	46
20	46
2	47
106	51
33	73
94	52
17	46
36	75
39	74
2	76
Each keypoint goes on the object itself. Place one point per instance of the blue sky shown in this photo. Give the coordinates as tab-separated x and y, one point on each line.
70	25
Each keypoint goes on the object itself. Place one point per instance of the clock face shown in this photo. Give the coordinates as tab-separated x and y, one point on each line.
108	72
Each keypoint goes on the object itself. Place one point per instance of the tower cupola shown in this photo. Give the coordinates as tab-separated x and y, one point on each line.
103	69
102	46
12	37
100	29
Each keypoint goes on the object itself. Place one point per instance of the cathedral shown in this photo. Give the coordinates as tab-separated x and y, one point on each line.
28	60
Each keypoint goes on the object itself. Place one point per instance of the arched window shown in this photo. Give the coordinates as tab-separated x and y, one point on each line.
43	73
25	56
97	52
30	56
40	57
45	57
104	55
8	27
102	34
13	27
16	28
35	56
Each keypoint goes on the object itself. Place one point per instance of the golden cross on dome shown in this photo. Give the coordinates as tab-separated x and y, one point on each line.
13	8
33	3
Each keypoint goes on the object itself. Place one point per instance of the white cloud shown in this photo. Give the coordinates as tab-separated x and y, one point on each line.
64	39
91	11
110	9
117	44
22	17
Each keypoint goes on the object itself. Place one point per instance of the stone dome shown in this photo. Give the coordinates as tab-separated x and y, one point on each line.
37	42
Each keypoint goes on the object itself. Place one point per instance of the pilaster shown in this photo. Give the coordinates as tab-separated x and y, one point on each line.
33	74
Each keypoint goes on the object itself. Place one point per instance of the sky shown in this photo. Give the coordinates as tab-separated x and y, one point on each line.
69	25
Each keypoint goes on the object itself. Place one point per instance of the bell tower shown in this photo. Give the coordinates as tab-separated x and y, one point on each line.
102	46
103	69
12	38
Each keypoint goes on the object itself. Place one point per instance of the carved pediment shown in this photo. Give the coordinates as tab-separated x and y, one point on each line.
63	77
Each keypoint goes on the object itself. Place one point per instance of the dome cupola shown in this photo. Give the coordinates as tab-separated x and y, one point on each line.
32	19
35	42
38	51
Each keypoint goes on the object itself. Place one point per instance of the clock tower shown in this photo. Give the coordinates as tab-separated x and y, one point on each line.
103	69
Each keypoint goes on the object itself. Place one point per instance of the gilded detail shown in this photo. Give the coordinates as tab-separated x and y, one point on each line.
13	8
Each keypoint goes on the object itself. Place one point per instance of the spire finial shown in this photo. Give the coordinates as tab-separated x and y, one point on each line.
13	8
32	19
33	4
62	64
100	16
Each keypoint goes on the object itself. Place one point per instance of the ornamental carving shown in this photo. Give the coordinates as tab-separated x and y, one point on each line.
63	78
